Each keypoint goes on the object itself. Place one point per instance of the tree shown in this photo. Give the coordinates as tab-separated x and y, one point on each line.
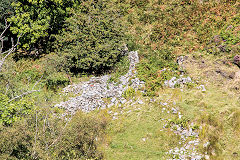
92	38
6	11
37	20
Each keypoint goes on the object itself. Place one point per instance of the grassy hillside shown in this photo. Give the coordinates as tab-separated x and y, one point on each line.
206	33
216	110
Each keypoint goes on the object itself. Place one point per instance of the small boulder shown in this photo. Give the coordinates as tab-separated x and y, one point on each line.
236	60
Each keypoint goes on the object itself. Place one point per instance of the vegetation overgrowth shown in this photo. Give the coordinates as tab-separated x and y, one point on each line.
66	41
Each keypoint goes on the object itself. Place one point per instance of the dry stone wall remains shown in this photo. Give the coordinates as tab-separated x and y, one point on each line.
97	88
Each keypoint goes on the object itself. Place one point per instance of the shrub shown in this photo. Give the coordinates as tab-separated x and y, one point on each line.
56	80
139	3
13	111
121	68
155	68
16	142
29	75
92	39
43	135
6	11
81	138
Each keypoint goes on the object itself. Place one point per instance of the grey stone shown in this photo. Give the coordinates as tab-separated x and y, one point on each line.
140	102
174	111
180	81
96	88
113	99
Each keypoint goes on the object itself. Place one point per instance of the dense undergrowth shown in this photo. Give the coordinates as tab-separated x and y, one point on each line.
63	47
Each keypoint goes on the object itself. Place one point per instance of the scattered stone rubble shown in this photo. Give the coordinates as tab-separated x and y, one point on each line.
181	82
189	138
93	91
188	149
97	88
172	83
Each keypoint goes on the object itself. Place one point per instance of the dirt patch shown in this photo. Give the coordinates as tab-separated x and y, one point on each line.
220	72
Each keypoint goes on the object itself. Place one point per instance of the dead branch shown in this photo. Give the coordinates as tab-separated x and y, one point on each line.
60	135
28	92
6	27
11	50
24	94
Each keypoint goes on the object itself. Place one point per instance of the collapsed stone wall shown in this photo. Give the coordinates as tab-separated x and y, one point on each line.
93	91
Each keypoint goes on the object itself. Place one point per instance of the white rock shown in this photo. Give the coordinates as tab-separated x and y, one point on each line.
207	157
205	145
140	102
113	100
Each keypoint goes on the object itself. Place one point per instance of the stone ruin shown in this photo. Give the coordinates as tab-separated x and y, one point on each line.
93	92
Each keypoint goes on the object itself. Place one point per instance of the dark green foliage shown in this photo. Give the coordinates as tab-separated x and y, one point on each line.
15	142
139	3
121	68
93	37
6	11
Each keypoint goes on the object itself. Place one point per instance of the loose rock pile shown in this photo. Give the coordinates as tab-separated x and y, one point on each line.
97	88
172	83
189	138
189	148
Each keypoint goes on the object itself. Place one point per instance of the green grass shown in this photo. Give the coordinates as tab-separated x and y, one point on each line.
130	130
161	37
216	112
215	109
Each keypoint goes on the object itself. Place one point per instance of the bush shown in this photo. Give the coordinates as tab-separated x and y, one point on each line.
13	111
6	11
155	68
16	142
93	38
56	80
43	135
81	138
